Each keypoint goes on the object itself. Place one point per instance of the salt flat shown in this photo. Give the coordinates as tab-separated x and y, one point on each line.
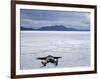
72	46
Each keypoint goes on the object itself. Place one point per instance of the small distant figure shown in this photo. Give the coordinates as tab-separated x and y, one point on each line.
49	59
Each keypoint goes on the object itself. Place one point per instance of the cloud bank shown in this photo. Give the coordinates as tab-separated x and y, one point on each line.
40	18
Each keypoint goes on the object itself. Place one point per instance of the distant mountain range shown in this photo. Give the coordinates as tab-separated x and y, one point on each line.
52	28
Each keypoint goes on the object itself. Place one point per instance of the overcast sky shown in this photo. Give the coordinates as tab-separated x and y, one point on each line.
40	18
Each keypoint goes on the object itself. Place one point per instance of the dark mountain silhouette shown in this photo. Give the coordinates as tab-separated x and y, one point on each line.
57	28
52	28
24	28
